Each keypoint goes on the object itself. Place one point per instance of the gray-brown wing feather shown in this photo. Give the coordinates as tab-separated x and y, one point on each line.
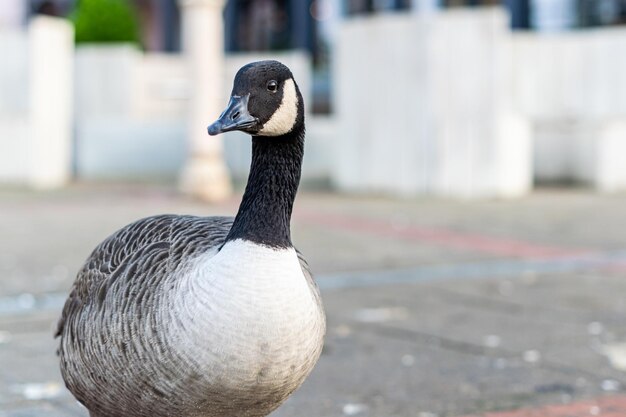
308	275
126	276
146	249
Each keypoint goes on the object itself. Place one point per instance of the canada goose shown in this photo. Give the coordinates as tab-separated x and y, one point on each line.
184	316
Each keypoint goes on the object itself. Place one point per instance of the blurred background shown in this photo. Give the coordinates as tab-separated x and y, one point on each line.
462	201
458	98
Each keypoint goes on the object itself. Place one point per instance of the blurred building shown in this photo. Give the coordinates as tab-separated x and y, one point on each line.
12	13
251	25
525	14
263	25
160	19
563	94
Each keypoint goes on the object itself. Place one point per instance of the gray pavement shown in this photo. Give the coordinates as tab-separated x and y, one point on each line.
435	307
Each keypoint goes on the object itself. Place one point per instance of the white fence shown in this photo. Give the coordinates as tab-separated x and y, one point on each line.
455	104
425	105
572	87
35	104
448	103
131	115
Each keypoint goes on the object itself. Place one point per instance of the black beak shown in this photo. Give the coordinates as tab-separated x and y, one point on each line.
235	117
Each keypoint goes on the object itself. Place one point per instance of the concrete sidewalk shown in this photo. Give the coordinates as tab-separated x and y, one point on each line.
435	308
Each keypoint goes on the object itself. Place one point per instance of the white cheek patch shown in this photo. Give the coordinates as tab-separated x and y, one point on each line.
283	119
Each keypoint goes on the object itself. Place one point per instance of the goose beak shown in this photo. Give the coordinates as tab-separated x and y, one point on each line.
235	117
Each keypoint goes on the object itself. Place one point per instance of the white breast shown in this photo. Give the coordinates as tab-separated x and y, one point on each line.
262	322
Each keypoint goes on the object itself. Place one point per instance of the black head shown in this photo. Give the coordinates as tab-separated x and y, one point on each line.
265	101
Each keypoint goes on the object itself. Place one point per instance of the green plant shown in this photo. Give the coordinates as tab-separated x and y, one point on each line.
105	21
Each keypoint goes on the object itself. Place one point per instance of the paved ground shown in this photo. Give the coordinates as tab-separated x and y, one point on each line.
435	308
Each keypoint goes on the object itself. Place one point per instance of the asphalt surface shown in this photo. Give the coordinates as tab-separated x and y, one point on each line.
435	307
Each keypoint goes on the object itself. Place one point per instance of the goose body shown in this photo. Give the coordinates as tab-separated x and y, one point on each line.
204	316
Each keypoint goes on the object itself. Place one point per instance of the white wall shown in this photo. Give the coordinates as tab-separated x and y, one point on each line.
131	115
12	13
35	103
570	75
14	106
442	103
453	103
14	86
51	72
571	86
424	105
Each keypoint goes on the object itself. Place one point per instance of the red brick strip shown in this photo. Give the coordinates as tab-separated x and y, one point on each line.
439	236
614	406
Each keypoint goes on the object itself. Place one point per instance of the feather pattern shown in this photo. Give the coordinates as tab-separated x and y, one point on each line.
141	275
143	244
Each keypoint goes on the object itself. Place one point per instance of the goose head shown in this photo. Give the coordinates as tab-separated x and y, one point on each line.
265	101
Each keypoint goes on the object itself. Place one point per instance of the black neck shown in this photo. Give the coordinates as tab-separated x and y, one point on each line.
265	211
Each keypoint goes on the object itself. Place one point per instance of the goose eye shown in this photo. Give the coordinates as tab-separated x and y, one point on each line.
272	86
